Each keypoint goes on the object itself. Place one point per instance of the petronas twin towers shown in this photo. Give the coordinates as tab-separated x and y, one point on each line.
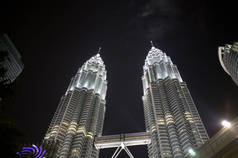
171	118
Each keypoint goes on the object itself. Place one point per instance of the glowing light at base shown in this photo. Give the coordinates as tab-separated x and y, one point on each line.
191	152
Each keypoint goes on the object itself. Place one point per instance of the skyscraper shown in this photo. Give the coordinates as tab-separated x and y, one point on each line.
170	113
80	113
228	57
11	65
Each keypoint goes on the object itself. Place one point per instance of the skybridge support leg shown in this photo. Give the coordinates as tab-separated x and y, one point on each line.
119	149
128	152
117	152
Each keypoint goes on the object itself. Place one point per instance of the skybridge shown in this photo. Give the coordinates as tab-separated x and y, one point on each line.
122	141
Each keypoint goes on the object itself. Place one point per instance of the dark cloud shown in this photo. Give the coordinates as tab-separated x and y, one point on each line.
162	18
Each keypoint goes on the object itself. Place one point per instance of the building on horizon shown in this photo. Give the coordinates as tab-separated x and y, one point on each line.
228	57
224	144
79	116
170	113
11	65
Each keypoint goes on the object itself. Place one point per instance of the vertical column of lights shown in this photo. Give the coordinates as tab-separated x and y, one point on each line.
80	114
170	113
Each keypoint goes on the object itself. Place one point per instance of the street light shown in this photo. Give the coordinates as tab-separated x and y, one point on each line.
226	124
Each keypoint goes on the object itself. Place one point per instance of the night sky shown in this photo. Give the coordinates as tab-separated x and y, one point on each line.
56	38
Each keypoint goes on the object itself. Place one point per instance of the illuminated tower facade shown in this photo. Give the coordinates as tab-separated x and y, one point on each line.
170	113
80	114
228	56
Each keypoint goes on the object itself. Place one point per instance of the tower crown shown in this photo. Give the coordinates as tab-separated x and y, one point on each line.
96	59
158	66
155	55
92	75
95	64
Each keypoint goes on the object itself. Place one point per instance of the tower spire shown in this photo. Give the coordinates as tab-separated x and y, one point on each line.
99	50
152	44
